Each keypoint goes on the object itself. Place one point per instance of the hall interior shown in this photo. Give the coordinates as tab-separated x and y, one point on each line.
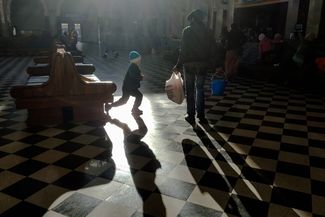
262	152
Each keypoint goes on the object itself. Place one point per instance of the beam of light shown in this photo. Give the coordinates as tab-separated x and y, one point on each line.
116	134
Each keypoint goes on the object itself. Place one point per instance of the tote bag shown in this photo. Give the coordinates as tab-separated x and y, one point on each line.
174	88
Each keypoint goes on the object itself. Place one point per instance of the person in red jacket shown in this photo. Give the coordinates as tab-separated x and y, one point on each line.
264	48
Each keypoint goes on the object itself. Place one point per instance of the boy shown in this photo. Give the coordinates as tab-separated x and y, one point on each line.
131	85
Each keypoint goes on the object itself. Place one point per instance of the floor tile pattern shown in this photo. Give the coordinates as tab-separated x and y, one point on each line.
262	153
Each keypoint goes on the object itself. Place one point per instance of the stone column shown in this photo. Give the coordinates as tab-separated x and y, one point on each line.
314	16
230	13
219	8
52	10
52	22
210	13
4	26
292	15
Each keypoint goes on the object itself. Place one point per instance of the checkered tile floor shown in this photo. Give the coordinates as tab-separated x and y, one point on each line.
263	153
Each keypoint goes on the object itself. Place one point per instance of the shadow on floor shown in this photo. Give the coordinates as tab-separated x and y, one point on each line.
131	139
245	191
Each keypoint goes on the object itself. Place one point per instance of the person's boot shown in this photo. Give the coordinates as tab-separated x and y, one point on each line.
202	119
190	119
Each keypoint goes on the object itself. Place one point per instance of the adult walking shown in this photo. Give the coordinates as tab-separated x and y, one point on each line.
197	55
235	39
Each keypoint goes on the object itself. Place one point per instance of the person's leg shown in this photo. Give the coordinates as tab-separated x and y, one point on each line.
228	62
138	99
190	92
236	64
125	97
200	99
233	64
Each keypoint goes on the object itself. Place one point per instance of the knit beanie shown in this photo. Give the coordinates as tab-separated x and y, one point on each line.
134	56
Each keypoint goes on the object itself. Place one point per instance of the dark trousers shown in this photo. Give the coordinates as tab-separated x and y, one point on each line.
194	86
125	97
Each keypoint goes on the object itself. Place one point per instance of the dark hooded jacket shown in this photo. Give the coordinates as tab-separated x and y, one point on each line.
132	78
197	46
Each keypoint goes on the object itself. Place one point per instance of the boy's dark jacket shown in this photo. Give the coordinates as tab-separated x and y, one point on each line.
132	78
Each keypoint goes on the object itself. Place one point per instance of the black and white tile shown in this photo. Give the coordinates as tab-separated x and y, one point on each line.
263	153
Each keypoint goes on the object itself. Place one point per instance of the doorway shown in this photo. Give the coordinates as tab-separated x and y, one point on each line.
68	27
77	27
64	28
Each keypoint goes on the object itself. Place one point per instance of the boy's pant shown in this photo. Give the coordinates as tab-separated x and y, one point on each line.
125	97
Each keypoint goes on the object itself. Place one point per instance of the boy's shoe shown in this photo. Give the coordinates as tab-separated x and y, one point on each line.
137	111
190	119
202	119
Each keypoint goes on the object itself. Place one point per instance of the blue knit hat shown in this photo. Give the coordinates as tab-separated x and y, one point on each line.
134	56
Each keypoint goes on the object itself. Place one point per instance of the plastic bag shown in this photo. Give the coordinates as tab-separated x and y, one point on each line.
174	88
298	59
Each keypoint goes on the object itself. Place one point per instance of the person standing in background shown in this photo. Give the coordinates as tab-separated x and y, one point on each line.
235	39
264	48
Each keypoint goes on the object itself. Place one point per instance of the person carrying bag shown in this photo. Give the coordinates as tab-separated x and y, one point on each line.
196	57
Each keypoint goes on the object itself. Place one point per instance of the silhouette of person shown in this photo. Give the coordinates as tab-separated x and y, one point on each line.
132	138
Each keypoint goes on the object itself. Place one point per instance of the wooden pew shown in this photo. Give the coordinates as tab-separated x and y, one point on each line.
64	95
42	63
46	59
44	69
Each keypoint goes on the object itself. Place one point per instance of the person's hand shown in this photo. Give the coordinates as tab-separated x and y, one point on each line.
220	71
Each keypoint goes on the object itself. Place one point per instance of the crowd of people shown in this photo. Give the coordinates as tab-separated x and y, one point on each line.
295	60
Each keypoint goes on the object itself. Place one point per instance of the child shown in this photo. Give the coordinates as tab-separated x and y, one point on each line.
131	85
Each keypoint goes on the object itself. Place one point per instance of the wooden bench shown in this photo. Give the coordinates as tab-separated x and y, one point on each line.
43	64
44	69
47	59
64	95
